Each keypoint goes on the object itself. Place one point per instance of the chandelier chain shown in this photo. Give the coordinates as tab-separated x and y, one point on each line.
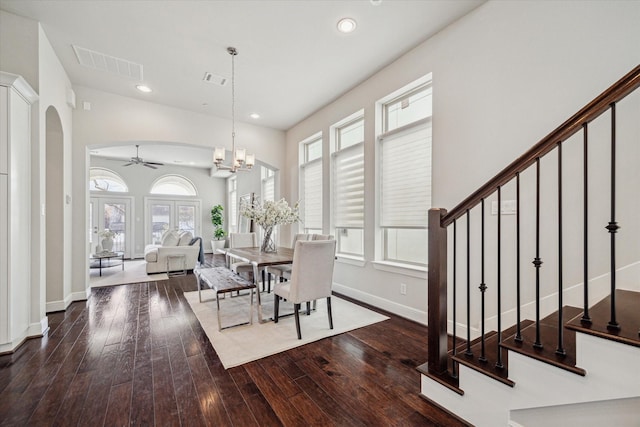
233	100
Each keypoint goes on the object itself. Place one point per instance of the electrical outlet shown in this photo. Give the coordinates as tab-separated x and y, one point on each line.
403	288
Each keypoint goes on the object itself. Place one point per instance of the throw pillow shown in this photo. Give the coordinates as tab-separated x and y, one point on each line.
170	239
185	238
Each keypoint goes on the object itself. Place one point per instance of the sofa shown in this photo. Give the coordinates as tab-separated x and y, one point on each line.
172	243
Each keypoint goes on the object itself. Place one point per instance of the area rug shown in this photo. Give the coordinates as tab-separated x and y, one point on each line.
134	272
242	344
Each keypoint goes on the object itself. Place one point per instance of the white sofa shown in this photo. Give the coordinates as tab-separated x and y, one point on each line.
173	243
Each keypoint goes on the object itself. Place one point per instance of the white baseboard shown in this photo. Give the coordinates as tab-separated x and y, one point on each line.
390	306
34	330
52	306
38	328
80	296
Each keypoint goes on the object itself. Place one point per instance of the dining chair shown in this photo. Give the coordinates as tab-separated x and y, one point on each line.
286	273
311	278
322	237
242	240
279	271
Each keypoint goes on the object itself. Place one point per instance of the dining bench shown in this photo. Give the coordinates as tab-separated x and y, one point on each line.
223	281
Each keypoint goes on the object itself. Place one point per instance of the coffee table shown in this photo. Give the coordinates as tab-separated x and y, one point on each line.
109	257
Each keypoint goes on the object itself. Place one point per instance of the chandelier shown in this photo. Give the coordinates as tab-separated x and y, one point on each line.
241	160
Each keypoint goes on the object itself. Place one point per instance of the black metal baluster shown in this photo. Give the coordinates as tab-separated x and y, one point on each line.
482	287
468	352
499	363
586	319
518	336
537	262
454	368
613	225
560	349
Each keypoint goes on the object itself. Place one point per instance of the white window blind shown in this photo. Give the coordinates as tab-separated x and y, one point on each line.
348	187
268	190
233	203
406	177
268	184
312	194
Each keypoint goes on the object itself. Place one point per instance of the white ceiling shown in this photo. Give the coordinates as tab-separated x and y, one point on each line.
291	58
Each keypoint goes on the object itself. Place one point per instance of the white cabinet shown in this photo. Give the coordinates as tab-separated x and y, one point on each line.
16	97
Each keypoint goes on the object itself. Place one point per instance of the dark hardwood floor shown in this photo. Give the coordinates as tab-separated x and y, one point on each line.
136	355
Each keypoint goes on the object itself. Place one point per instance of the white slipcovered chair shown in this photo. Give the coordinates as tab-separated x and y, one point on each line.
242	240
322	237
279	271
311	278
285	273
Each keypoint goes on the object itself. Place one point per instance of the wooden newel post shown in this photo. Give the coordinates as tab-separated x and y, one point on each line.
437	293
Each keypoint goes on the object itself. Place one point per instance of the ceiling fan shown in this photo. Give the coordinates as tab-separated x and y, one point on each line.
137	160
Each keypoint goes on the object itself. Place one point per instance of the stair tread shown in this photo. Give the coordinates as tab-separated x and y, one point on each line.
549	341
487	367
627	315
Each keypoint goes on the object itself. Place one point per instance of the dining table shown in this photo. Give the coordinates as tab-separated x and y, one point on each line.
260	260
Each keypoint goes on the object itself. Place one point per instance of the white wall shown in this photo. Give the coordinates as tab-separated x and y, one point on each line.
504	76
211	191
54	85
118	120
19	47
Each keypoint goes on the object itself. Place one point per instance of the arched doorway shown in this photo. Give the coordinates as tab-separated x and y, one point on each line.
55	199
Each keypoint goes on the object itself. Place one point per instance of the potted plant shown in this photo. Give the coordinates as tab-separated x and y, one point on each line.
218	232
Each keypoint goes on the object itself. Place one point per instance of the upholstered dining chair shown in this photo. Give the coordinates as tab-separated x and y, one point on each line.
279	271
242	240
311	278
286	272
322	237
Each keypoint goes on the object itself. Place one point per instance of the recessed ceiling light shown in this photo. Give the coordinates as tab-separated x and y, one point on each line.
254	115
346	25
143	88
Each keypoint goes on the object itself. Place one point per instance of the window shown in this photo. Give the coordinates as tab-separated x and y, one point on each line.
232	188
106	180
311	184
268	177
347	186
174	185
405	175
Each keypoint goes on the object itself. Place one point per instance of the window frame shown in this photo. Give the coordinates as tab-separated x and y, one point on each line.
113	176
336	149
306	162
382	115
179	180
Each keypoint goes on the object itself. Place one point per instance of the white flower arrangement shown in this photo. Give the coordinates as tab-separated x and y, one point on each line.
107	234
269	214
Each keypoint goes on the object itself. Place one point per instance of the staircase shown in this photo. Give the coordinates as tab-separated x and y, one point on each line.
555	354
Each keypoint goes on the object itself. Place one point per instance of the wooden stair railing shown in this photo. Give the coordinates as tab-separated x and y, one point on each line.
439	219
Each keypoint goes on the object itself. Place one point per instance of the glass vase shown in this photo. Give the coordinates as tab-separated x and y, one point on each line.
268	245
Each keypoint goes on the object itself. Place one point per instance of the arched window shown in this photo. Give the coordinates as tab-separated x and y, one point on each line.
105	180
174	185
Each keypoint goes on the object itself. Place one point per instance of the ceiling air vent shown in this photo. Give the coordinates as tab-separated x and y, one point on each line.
100	61
214	78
